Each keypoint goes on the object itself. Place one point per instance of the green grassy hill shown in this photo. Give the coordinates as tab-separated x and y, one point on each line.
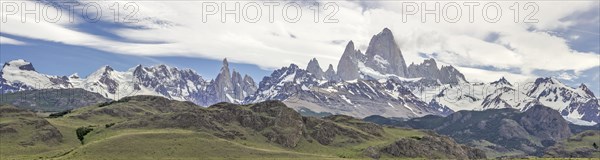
147	127
577	146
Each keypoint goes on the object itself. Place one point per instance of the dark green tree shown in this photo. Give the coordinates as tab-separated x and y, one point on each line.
109	125
595	145
81	132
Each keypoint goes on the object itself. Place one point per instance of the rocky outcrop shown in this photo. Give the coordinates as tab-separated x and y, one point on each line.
25	128
432	147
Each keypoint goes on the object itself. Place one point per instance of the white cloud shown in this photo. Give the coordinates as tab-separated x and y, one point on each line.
5	40
480	75
527	47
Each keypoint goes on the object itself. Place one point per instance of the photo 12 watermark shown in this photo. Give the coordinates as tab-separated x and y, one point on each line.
68	11
270	11
210	11
470	11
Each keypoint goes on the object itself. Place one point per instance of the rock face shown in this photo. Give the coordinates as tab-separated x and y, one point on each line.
222	85
229	87
545	123
449	75
428	69
432	147
384	56
330	74
348	66
315	69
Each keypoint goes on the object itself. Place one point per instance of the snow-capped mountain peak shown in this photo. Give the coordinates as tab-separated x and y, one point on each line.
20	75
583	88
18	64
501	82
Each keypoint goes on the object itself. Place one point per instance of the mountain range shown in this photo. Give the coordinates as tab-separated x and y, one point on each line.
378	82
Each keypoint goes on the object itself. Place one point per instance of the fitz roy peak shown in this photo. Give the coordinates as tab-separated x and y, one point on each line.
384	56
375	83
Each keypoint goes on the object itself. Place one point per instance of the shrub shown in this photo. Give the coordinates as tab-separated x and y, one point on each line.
106	103
59	114
109	125
81	132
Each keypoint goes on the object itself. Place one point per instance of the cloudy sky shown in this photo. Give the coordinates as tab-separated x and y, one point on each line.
484	40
